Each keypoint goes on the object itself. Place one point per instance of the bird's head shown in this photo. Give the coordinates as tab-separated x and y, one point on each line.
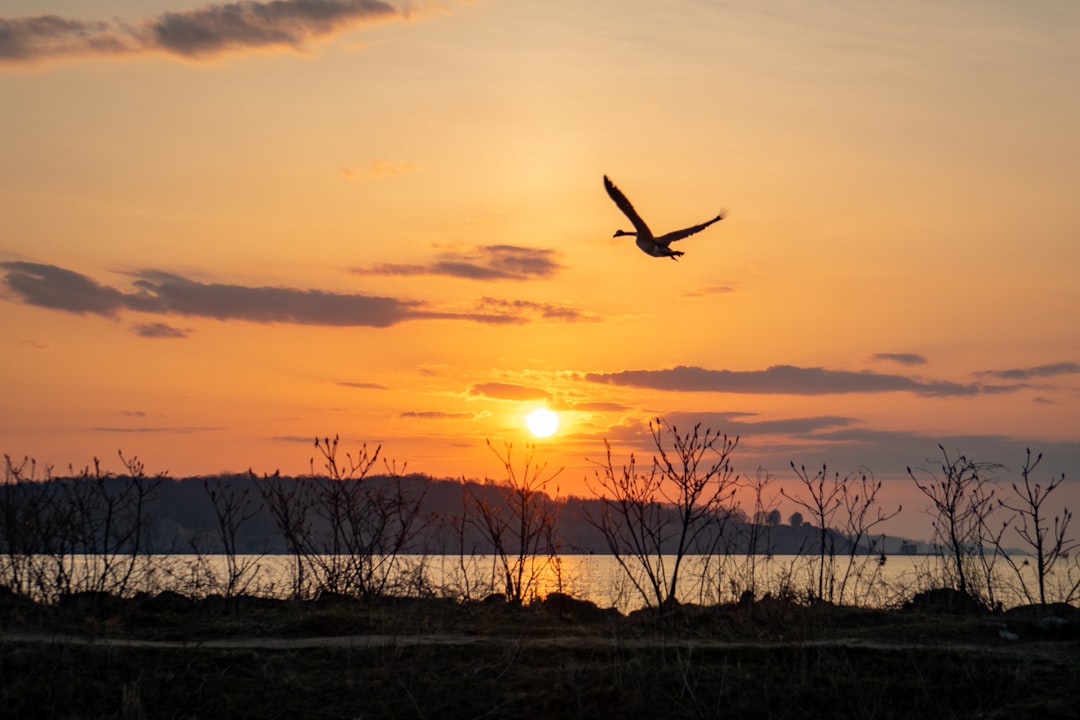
620	233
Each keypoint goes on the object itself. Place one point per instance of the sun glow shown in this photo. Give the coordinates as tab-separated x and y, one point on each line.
542	422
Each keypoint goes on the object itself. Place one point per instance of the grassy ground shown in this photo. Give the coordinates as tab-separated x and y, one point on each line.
556	659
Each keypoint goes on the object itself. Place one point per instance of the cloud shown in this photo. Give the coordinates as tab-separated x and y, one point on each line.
159	330
703	290
43	36
362	385
1038	371
438	415
304	439
485	262
185	430
55	288
508	391
844	445
527	310
163	293
599	406
207	31
385	168
746	424
902	358
779	379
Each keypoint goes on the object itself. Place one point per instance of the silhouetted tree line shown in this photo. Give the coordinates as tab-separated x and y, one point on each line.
179	516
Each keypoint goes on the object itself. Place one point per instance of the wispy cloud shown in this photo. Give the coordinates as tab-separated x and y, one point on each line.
599	406
527	310
203	32
362	385
163	293
440	415
379	169
508	391
159	330
485	262
186	430
902	358
779	379
1038	371
386	168
703	290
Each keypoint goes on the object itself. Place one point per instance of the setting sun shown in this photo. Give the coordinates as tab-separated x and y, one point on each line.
542	422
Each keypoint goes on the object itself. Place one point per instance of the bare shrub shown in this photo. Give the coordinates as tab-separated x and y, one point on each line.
862	514
1048	545
112	516
755	535
676	508
233	508
25	500
517	518
825	494
84	533
347	531
961	493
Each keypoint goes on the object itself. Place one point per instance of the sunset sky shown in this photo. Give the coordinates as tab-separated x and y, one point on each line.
228	228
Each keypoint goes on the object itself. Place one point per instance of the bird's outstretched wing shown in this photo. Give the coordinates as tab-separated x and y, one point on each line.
687	232
627	208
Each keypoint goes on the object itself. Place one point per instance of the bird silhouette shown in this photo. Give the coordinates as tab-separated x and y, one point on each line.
650	245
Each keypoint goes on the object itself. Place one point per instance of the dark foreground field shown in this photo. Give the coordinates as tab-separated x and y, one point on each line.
168	657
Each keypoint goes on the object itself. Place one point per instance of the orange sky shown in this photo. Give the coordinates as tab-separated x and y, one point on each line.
230	227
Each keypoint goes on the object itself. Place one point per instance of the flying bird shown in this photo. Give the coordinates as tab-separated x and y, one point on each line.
655	246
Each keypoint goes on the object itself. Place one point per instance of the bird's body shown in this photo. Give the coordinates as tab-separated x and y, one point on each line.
650	245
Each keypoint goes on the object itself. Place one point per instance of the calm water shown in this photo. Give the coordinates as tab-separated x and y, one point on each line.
865	581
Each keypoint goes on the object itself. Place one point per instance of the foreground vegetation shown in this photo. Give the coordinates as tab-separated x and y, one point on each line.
250	657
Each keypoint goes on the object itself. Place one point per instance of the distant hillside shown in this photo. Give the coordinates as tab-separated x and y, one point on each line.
182	519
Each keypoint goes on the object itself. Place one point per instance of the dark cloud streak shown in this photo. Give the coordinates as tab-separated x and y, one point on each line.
362	385
55	288
30	38
1038	371
902	358
157	292
163	292
779	380
177	430
485	263
526	309
202	32
439	415
159	330
844	444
